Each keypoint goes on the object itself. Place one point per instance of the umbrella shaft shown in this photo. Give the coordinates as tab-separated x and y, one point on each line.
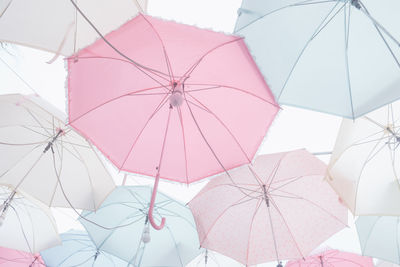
265	195
50	144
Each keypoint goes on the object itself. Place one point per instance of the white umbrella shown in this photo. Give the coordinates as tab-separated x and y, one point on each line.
46	159
364	167
25	224
57	27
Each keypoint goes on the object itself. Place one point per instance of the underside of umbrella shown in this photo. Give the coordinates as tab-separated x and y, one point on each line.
57	27
340	57
180	103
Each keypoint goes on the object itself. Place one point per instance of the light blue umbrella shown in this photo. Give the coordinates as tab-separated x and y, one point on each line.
380	237
127	235
78	249
335	56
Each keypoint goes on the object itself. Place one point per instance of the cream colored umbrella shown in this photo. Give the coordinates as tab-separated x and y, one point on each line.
25	223
57	27
365	164
43	157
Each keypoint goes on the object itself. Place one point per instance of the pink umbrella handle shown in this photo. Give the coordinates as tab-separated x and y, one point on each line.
153	199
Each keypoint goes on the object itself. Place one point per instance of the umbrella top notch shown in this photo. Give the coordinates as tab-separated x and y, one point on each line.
176	97
356	3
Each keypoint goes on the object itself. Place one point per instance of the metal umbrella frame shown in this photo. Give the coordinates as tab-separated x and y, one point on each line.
179	100
340	57
46	159
127	234
364	167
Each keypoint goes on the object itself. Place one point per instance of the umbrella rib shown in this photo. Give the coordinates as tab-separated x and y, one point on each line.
135	196
320	27
223	124
154	72
254	174
294	179
270	179
38	122
301	3
184	143
82	160
112	100
315	204
374	22
346	50
194	66
120	225
372	154
16	74
258	205
238	202
157	109
28	172
358	143
377	24
215	86
139	66
287	226
169	67
34	131
347	260
209	146
22	229
235	186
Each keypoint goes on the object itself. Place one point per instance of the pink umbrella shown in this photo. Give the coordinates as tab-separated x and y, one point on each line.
333	258
191	104
279	208
16	258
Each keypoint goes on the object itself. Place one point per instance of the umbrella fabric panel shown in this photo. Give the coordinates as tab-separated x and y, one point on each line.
379	237
16	258
28	225
78	249
24	136
224	97
333	258
57	27
364	167
330	60
280	231
175	245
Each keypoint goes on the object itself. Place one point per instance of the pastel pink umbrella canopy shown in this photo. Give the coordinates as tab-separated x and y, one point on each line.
174	101
16	258
333	258
278	208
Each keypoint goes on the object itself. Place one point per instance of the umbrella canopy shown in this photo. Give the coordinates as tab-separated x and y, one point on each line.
333	258
46	159
386	264
278	208
130	238
16	258
78	249
338	57
25	224
379	237
191	104
57	27
364	166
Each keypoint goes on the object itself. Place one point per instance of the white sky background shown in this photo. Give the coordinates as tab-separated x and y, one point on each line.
293	128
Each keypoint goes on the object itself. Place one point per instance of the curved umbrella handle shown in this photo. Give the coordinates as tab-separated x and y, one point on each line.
153	198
